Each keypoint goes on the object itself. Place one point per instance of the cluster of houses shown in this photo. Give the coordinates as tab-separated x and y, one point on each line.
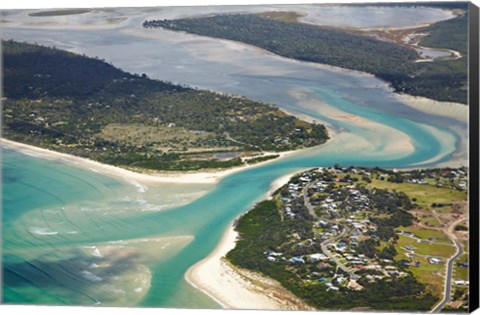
450	178
381	268
340	223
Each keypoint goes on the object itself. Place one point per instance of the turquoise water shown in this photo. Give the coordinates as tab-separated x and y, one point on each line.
74	236
54	212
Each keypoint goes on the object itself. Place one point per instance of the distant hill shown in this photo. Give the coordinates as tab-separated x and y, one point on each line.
87	107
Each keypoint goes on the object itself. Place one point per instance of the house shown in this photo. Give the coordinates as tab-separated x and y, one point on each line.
357	232
404	263
317	257
463	264
323	265
272	253
340	280
271	259
309	242
393	273
297	260
461	282
322	223
333	288
434	260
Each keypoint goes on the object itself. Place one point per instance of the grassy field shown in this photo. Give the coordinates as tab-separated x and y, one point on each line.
161	137
431	275
427	233
460	273
425	195
425	249
429	220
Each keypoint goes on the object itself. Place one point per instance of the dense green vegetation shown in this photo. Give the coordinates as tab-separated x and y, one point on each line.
262	158
450	34
299	41
351	251
87	107
443	79
261	229
440	80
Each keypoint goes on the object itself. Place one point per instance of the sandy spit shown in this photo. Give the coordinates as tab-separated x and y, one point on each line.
235	288
147	178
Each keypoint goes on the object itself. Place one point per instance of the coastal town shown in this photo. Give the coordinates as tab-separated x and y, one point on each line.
349	228
300	157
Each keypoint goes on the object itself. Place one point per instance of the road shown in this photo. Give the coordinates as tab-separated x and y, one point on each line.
449	272
327	252
325	244
448	279
306	200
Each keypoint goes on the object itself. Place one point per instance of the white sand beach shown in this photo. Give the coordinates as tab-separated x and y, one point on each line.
230	286
445	109
144	178
234	288
279	182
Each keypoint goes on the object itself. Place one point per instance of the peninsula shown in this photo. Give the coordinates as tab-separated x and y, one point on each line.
86	107
375	52
351	238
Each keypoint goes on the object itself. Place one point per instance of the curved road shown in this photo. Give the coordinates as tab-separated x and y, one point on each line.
448	279
325	244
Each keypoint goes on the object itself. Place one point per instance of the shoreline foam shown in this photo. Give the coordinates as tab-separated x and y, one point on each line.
150	178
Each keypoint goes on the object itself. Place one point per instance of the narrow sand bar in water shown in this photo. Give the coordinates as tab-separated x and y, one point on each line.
150	178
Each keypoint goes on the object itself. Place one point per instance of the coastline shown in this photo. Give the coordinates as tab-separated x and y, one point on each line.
453	110
235	288
240	288
145	178
279	182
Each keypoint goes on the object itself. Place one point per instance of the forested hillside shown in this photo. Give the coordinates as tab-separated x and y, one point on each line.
84	106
